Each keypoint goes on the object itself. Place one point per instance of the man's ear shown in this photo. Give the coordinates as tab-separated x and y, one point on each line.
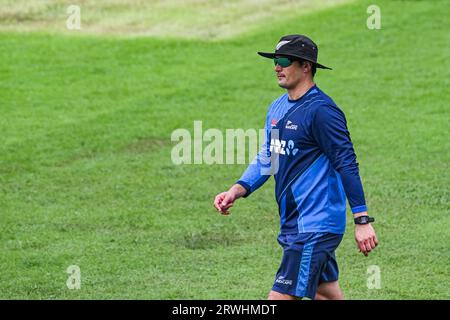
307	66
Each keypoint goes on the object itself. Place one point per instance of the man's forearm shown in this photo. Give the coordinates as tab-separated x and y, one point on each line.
238	190
359	214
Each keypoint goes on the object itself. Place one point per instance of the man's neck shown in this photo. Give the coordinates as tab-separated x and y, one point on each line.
300	89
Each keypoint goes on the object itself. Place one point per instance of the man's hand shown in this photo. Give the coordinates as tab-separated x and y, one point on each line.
365	236
225	200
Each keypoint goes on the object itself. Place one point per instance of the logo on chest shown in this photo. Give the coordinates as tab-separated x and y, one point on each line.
291	126
281	147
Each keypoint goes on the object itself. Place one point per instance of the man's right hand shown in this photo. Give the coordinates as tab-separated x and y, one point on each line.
225	200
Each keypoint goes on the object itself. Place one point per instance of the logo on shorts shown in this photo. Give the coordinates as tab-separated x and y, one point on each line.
282	280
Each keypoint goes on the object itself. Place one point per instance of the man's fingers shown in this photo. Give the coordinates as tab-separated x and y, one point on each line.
218	198
217	202
228	206
361	246
363	249
372	242
227	202
366	239
368	246
226	210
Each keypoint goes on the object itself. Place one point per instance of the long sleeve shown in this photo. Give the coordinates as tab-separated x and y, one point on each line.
329	129
259	170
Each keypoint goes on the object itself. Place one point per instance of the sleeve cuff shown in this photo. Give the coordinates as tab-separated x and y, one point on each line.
359	209
246	187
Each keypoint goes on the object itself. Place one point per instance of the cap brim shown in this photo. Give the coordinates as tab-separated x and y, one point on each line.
321	66
267	55
272	55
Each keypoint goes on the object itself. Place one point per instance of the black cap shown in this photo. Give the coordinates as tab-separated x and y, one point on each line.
296	46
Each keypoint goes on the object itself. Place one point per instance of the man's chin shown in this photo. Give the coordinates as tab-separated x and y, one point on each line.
282	85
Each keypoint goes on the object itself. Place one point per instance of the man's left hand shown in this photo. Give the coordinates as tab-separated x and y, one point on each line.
365	237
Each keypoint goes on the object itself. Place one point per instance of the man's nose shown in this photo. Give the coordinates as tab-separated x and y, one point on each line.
278	68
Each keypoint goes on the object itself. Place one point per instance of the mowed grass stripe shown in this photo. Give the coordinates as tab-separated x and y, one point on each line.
211	20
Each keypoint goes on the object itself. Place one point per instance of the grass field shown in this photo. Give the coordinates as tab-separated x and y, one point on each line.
201	19
86	177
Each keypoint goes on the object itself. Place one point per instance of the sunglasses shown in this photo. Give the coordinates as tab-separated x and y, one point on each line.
283	61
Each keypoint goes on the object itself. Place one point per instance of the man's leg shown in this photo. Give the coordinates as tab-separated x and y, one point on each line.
273	295
308	261
329	291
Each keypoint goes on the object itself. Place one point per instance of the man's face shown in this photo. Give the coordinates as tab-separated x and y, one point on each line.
289	77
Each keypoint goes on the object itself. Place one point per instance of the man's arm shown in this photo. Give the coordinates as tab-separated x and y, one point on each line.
329	129
259	171
253	177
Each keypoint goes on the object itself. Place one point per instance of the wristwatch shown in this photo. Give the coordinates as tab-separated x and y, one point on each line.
364	220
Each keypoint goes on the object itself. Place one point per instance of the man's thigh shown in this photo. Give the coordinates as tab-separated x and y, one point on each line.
329	291
273	295
304	264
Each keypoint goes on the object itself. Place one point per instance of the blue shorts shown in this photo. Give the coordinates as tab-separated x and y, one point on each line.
308	260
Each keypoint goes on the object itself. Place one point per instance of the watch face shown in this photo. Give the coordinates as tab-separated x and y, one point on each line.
362	220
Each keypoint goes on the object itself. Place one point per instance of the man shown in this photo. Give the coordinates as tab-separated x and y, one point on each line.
308	150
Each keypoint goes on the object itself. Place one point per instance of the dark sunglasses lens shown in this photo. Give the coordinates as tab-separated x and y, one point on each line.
283	62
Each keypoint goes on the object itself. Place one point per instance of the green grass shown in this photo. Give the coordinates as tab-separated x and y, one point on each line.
86	177
201	19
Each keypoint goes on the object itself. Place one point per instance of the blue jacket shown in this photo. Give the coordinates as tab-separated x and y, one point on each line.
308	149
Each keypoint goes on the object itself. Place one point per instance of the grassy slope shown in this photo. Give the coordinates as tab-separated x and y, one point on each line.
201	19
86	176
